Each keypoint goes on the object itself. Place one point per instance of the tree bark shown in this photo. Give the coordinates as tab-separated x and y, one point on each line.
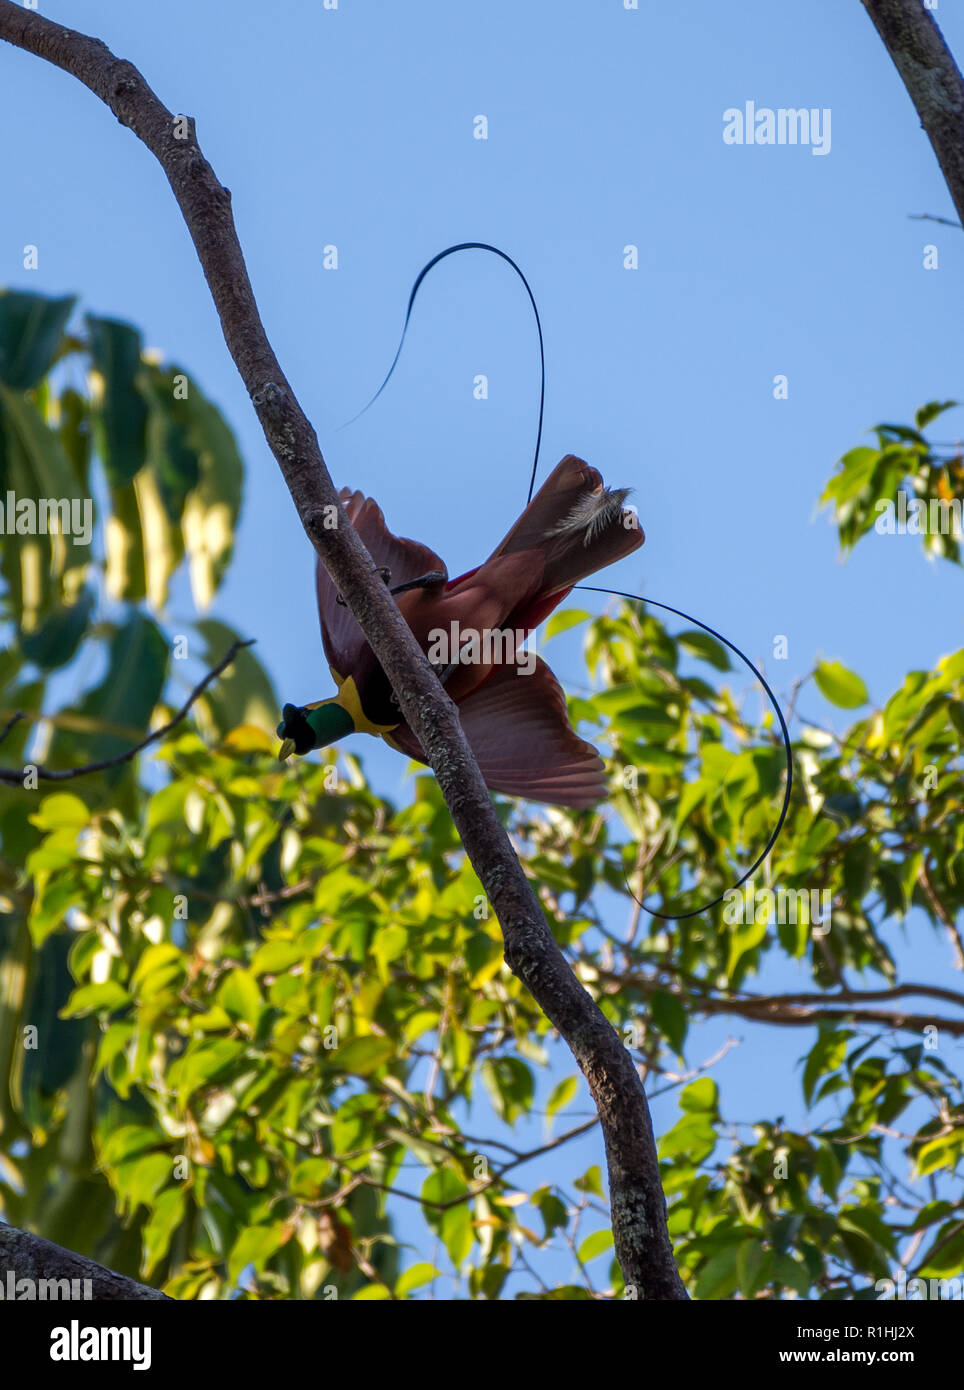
638	1207
933	81
31	1257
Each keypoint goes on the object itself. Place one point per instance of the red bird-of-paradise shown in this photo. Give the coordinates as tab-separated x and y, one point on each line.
473	628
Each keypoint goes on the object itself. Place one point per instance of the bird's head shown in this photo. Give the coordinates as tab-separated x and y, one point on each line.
312	726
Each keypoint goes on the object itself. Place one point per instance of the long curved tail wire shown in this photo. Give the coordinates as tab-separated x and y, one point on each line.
450	251
681	916
594	589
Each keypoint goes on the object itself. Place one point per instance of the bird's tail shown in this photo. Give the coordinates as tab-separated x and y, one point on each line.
577	523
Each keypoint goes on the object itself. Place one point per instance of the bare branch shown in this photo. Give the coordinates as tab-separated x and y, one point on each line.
15	776
929	217
637	1203
940	911
933	81
801	1010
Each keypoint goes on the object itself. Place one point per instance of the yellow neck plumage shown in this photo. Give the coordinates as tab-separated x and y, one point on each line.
349	700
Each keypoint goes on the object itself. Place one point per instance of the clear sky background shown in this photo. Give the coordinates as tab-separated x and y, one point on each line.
354	127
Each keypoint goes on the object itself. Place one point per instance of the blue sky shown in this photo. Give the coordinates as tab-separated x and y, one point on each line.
354	127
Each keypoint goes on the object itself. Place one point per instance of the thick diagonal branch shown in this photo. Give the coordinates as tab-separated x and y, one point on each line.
50	1268
638	1207
933	81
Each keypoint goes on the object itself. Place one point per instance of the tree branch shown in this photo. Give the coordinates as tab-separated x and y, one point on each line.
31	1257
637	1203
801	1010
15	776
933	81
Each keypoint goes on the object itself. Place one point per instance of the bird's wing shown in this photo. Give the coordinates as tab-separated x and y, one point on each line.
343	638
519	730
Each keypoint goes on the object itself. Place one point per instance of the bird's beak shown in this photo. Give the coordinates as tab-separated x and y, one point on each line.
287	748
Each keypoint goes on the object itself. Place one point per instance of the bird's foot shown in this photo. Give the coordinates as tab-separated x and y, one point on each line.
424	581
444	672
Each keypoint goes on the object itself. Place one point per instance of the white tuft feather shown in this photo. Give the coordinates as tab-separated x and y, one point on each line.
594	513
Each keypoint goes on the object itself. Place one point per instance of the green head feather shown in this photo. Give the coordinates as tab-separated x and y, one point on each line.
310	727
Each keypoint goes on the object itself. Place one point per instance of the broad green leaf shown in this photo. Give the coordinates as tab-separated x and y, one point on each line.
54	642
120	414
563	1093
415	1278
244	694
240	997
210	509
591	1181
840	686
31	327
61	811
124	700
362	1056
705	646
562	622
595	1244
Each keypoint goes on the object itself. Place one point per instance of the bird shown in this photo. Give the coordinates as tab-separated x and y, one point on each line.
474	631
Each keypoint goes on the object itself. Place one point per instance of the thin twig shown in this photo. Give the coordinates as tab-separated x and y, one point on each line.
929	217
14	719
15	777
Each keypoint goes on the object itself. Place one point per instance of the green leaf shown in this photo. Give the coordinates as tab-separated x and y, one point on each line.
930	412
565	1293
749	1260
693	1137
562	1095
415	1277
61	811
211	509
591	1181
669	1015
309	1177
555	1215
452	1223
362	1056
120	415
718	1277
254	1246
173	459
240	997
510	1085
125	698
244	693
55	641
166	1216
124	1143
90	999
595	1244
700	1096
31	327
562	622
38	468
705	646
840	686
